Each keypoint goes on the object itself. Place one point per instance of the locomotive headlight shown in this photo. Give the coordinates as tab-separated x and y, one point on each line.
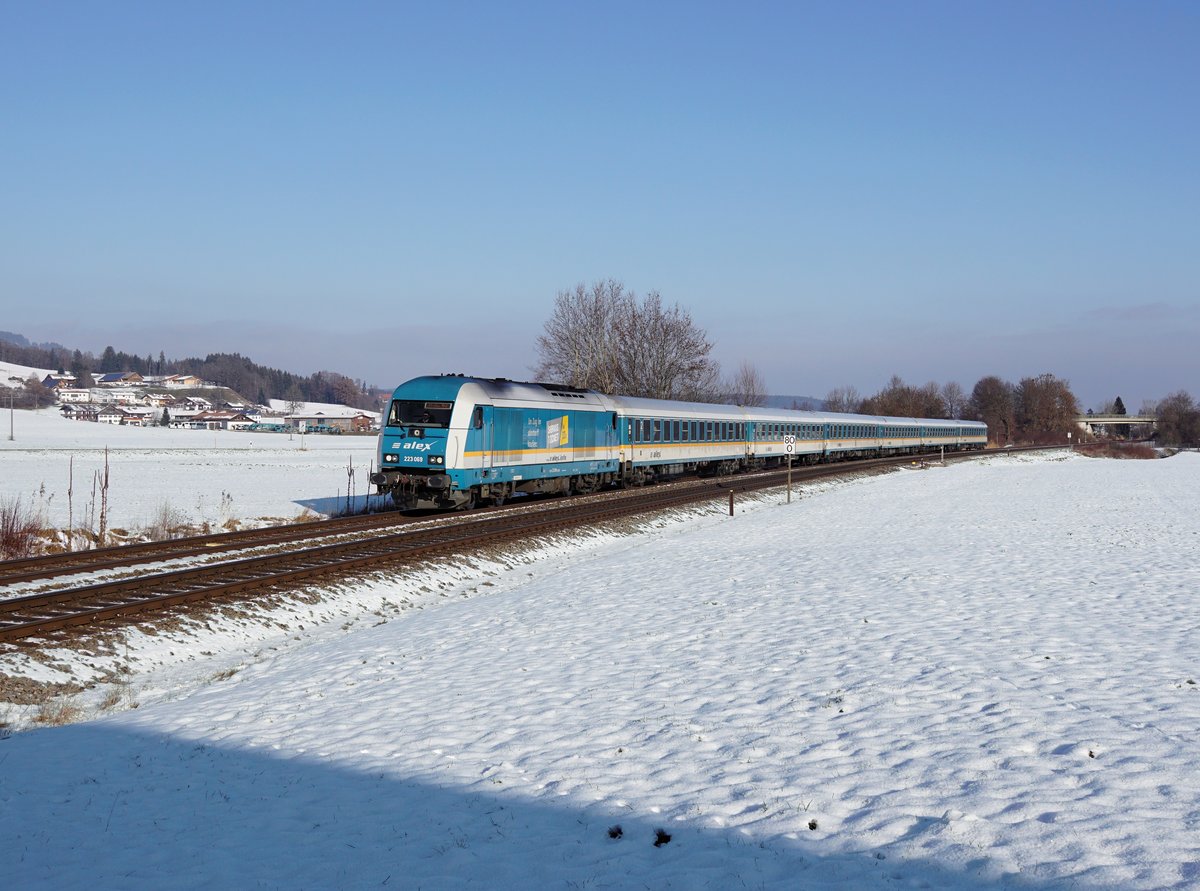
390	459
436	459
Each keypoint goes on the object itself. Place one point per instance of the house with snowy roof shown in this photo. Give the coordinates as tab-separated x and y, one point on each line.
182	381
59	381
118	378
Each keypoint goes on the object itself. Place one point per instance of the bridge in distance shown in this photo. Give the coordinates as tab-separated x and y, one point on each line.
1088	422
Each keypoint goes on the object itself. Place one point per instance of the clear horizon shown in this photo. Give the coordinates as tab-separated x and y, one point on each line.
837	194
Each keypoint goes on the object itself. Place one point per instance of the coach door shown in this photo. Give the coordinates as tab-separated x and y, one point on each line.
486	428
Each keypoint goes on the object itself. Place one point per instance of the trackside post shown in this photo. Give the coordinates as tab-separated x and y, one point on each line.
789	446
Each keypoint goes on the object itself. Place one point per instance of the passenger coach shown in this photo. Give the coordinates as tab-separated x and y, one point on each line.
453	441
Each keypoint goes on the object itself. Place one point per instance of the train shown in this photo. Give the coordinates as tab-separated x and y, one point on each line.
453	441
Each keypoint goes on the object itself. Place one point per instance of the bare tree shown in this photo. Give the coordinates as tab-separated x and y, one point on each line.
664	354
294	400
900	400
955	400
34	393
1178	419
1046	408
607	339
843	399
928	402
994	402
577	345
747	387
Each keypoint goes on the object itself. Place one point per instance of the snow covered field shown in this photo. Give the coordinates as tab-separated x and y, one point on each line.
200	476
979	676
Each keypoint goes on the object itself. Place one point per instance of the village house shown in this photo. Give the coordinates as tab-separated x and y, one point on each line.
73	397
122	396
118	378
110	414
181	419
59	381
184	382
363	423
157	400
221	420
80	412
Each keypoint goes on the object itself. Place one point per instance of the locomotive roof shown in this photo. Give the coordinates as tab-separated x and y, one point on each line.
448	386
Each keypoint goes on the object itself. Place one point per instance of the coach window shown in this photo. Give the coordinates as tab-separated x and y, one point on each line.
658	431
675	430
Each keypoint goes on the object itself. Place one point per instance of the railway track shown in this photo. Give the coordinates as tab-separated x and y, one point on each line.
72	562
381	541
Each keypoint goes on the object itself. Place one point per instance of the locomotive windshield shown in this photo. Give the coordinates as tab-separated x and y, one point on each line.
415	413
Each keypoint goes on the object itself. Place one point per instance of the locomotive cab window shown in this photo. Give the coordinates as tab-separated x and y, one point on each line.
416	413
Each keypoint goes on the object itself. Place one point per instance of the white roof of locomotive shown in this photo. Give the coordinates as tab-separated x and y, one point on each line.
500	391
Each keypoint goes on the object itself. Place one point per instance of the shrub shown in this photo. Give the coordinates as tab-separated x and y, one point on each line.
19	529
1118	450
166	523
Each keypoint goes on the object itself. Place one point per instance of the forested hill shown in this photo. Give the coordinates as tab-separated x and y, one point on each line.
253	381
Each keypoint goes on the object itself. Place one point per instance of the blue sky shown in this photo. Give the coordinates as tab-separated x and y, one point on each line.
838	192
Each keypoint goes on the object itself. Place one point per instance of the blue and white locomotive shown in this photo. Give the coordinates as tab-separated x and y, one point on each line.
453	441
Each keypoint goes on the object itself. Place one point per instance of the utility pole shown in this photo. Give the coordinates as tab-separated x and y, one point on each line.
10	416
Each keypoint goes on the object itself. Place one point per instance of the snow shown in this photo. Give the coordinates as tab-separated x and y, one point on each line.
198	476
15	375
976	676
328	409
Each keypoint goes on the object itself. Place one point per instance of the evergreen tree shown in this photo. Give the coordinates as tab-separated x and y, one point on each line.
1119	409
